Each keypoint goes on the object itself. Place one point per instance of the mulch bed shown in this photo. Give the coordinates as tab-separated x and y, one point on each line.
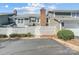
74	41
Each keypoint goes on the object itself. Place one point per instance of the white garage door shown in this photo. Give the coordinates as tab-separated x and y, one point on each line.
71	24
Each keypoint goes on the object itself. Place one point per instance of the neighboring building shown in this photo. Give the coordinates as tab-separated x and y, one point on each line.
15	20
5	20
66	18
59	18
26	20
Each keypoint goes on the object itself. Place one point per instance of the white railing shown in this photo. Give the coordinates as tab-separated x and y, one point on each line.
63	16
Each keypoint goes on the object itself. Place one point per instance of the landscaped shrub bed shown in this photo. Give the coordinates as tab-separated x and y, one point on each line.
21	35
14	35
3	36
29	34
65	34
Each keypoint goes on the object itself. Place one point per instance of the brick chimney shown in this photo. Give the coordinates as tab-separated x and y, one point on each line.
15	12
43	17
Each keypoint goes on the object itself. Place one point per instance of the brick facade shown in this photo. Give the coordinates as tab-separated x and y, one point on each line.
42	17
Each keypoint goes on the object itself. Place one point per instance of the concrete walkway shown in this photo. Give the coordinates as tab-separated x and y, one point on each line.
34	47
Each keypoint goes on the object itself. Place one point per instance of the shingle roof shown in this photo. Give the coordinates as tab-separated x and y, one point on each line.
63	11
27	15
3	14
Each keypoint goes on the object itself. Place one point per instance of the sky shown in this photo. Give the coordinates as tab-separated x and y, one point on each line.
24	8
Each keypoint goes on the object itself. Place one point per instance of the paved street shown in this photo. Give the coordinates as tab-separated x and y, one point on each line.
34	47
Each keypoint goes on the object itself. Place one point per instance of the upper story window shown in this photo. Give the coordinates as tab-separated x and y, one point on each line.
75	14
62	13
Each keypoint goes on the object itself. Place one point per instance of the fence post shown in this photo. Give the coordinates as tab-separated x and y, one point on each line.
37	32
9	31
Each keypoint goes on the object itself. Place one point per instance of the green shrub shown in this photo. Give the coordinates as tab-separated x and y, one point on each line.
14	35
21	35
29	34
3	36
65	34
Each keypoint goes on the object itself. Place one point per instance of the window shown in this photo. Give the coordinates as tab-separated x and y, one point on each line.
75	14
15	18
47	20
21	20
26	18
62	23
18	20
50	15
38	19
32	19
62	13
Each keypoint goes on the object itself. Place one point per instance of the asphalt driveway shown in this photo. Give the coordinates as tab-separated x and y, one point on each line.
34	47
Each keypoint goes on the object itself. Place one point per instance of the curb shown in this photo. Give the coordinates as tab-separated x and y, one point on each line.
72	46
23	38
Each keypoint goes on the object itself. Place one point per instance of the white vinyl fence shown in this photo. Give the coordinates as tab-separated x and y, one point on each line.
75	30
36	30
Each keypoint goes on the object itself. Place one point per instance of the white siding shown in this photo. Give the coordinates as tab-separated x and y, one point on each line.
3	19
